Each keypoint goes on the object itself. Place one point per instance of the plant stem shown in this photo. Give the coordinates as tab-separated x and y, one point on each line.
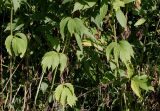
11	67
53	79
25	93
38	88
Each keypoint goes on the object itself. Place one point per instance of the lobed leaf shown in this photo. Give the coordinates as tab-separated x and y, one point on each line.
135	88
62	62
79	41
63	24
58	92
109	49
71	26
8	43
50	60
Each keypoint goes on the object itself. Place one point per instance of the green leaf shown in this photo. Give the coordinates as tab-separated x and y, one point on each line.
112	65
66	1
128	1
58	92
71	100
117	4
15	43
143	79
82	29
130	69
80	55
63	24
121	18
103	10
116	52
98	21
23	37
91	3
19	44
126	51
99	18
70	86
63	62
71	26
140	22
78	6
135	88
109	48
15	26
44	87
19	27
64	95
79	41
16	4
50	98
50	59
82	5
8	42
138	82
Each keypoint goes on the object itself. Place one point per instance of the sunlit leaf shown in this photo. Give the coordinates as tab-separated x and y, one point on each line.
117	4
63	24
130	69
44	87
121	18
126	51
140	22
70	86
128	1
86	43
64	93
62	61
8	42
71	26
138	82
66	1
58	92
81	29
71	100
80	55
50	98
116	52
16	4
79	41
78	6
109	49
103	10
135	88
17	44
50	60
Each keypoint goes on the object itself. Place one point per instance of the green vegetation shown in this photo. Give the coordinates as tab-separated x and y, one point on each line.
79	55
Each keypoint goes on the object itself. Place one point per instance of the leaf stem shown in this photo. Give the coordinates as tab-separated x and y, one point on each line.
11	20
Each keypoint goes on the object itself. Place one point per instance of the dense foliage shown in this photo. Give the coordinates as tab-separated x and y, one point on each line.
93	55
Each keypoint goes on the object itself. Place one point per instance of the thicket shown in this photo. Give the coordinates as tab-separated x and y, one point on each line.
80	55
